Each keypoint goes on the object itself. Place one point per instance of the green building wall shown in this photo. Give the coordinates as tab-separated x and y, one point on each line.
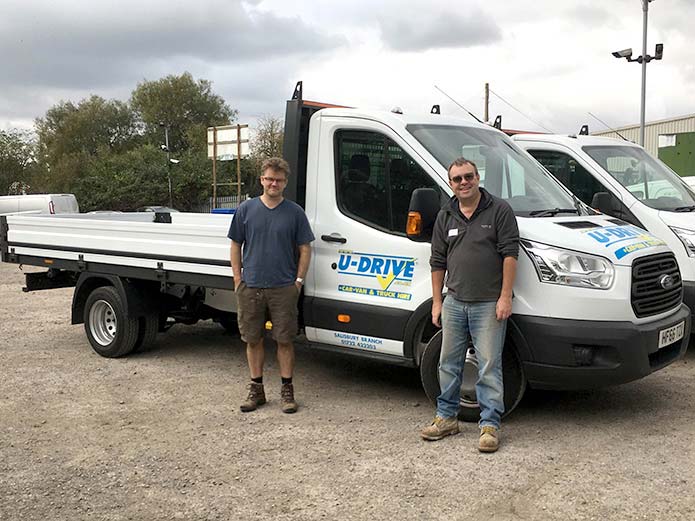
681	158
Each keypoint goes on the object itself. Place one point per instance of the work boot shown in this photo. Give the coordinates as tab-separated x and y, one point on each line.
440	428
489	439
255	398
287	394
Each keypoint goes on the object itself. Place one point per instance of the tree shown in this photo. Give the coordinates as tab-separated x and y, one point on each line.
266	142
267	139
17	160
70	135
179	103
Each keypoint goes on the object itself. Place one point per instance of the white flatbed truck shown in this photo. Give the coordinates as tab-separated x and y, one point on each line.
586	313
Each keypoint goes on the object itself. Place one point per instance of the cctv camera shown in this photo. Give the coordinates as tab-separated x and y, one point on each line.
625	53
659	54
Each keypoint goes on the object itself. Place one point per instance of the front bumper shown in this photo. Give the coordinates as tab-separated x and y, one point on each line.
584	354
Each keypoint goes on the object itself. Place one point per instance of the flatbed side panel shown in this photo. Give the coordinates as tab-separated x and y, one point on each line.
133	272
201	247
47	257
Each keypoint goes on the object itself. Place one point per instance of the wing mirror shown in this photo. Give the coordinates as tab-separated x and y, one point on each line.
422	212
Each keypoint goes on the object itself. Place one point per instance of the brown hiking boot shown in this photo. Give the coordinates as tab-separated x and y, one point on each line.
255	398
287	394
440	428
489	440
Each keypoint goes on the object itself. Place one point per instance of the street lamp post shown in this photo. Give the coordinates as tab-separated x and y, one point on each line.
643	60
165	147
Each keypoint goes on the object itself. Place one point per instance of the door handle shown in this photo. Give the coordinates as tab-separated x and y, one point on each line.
334	238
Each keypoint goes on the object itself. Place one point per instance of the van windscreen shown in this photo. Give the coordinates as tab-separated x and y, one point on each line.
504	170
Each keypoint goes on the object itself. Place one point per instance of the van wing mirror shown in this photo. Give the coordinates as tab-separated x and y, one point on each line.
605	202
422	212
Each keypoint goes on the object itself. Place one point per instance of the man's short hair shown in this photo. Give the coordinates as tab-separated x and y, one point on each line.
462	161
276	164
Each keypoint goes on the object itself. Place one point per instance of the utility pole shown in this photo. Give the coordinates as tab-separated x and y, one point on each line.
645	12
166	144
643	61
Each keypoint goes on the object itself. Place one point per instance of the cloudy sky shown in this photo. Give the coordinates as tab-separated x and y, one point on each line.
549	59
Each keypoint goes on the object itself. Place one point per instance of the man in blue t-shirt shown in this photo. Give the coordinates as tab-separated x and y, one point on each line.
270	256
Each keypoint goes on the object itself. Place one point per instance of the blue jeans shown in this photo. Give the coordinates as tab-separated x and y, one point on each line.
477	320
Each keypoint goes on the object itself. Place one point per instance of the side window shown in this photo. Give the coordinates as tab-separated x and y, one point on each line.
375	179
570	173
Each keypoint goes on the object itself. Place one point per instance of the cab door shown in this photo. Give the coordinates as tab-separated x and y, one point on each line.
368	277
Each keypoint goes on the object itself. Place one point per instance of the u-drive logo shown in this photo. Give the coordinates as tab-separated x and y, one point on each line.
384	268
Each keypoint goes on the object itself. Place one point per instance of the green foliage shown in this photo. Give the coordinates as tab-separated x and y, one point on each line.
179	103
17	159
108	153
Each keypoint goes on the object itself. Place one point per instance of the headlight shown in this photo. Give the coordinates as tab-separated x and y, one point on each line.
687	237
559	266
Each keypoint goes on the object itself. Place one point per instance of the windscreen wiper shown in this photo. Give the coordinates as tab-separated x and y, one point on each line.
552	211
684	209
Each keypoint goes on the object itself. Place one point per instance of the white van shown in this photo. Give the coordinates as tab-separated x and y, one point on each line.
38	203
621	179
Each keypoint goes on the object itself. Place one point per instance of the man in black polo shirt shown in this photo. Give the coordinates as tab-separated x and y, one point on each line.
475	242
270	256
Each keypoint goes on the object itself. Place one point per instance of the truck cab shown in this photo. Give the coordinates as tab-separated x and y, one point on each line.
622	180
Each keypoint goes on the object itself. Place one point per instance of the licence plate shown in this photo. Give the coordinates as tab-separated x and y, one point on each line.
670	335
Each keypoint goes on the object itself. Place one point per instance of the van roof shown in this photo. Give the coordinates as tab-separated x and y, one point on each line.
401	120
573	141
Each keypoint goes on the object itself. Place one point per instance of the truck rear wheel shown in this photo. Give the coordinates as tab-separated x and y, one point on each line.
148	327
109	330
513	375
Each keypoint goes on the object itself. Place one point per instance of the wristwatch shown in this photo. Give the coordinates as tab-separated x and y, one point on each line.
300	280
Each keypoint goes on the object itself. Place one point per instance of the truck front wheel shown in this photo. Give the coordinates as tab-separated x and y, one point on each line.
469	411
109	330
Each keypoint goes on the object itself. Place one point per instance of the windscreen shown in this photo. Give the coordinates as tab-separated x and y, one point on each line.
647	179
504	170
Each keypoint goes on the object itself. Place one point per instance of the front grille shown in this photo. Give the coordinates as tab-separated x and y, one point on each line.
649	297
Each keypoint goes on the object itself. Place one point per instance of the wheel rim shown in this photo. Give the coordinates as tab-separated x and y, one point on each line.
469	399
102	322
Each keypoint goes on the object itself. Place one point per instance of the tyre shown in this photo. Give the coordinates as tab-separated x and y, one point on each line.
229	323
148	327
512	373
110	332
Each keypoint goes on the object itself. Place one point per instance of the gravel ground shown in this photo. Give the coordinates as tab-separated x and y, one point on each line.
159	435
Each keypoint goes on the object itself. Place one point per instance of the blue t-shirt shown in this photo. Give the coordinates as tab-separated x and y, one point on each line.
269	239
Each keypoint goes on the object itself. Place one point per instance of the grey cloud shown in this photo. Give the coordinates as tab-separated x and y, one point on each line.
67	50
445	30
98	44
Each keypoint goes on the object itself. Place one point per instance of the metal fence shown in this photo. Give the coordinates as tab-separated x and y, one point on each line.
227	201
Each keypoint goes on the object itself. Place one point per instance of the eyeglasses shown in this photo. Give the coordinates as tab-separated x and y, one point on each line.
458	178
272	180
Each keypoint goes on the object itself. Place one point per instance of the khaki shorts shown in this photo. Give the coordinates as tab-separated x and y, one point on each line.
280	303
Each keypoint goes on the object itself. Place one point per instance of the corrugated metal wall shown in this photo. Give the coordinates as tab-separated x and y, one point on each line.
652	130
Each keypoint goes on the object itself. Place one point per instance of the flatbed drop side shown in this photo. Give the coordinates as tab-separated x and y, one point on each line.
588	312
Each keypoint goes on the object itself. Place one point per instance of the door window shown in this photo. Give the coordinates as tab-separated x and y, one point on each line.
375	179
570	173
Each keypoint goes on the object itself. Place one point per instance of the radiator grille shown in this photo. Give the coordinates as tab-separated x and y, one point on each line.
649	276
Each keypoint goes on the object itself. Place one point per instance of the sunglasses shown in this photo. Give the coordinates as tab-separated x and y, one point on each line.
458	178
